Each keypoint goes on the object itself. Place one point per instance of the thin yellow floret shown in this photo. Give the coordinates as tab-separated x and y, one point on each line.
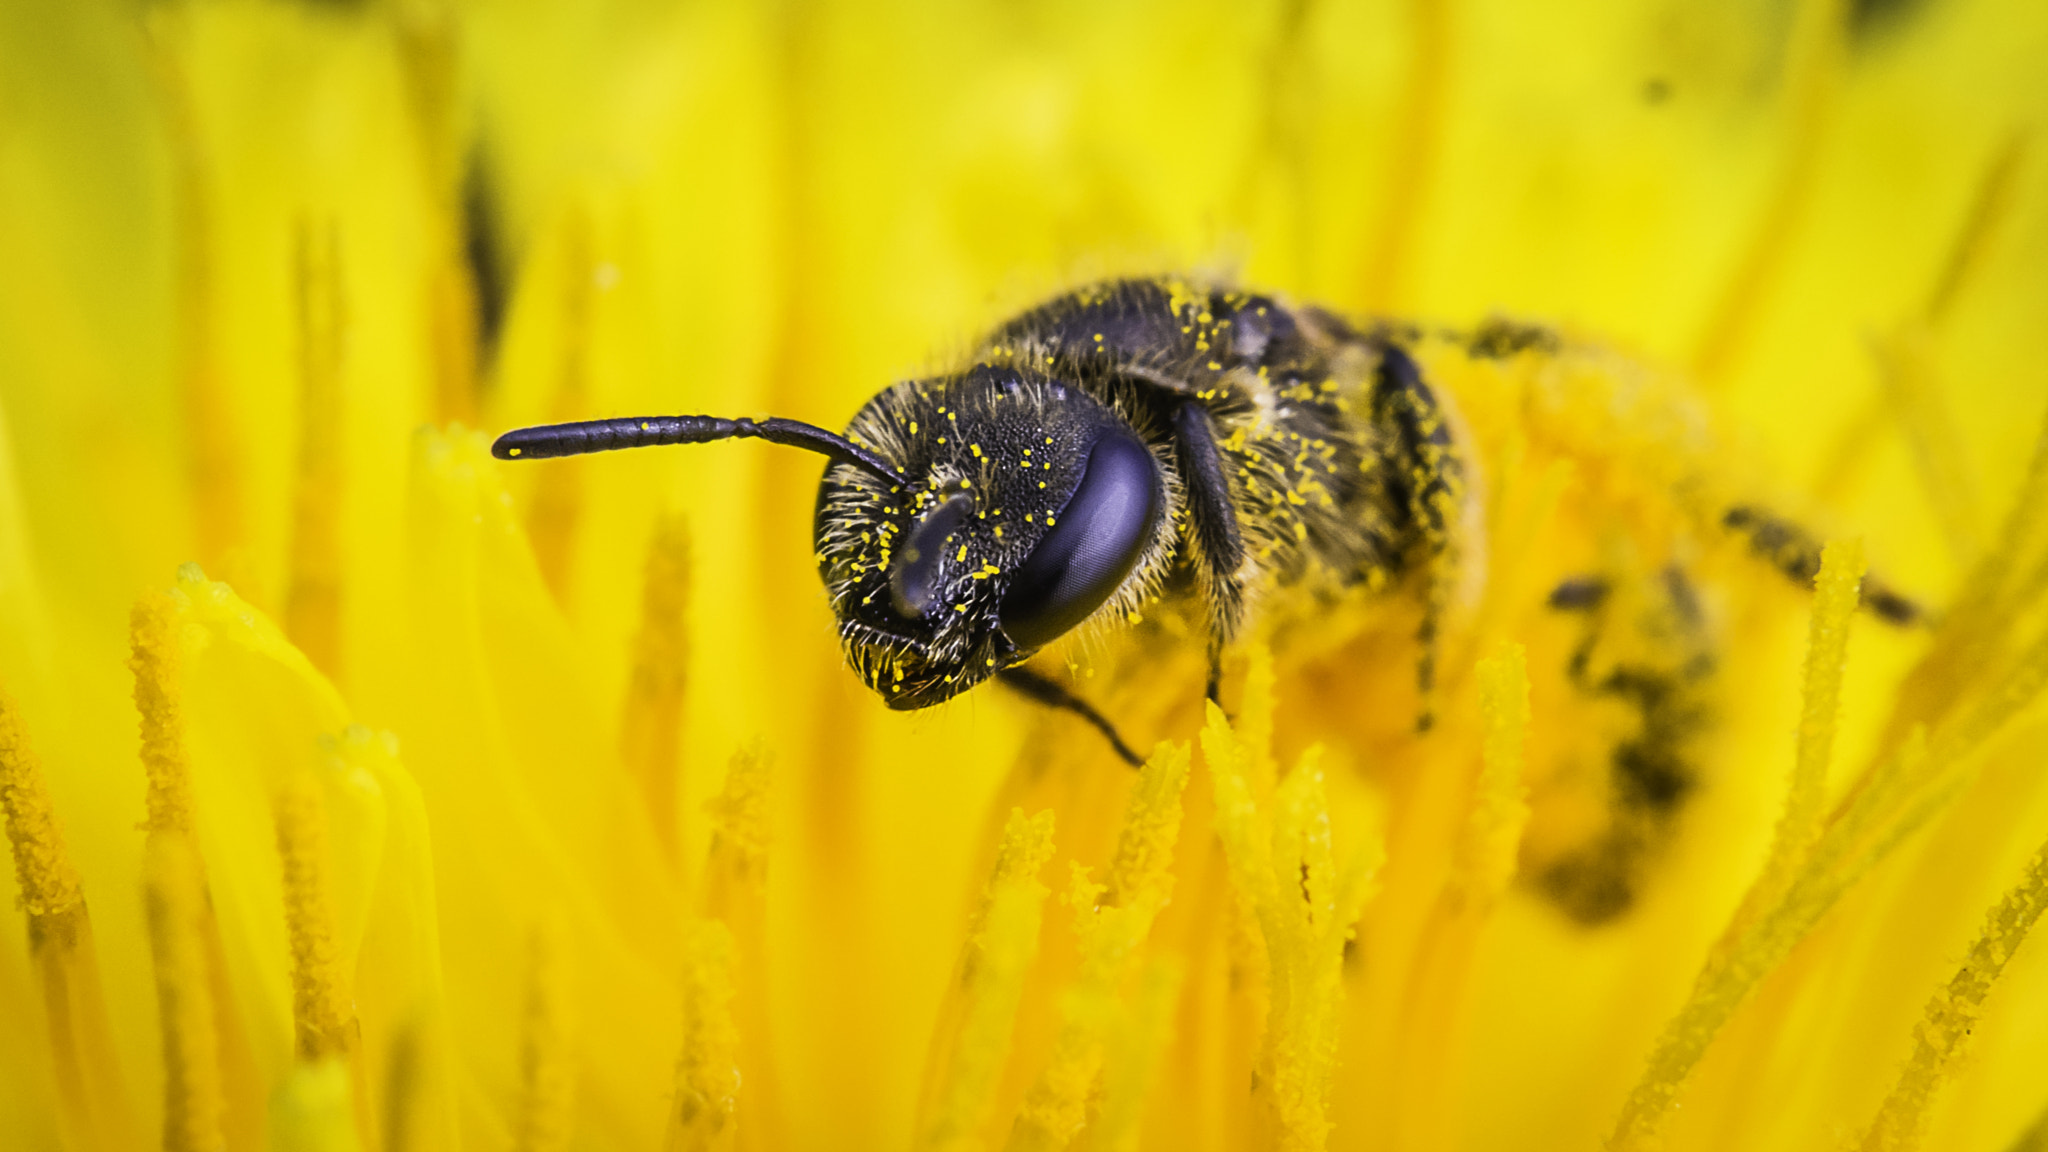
1282	864
175	897
1493	831
43	869
157	661
1001	942
324	1024
1110	923
1827	655
1952	1012
544	1118
708	1071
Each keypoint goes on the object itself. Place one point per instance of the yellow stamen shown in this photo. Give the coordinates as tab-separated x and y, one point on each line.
1110	923
1827	655
312	613
324	1024
1988	212
1282	866
1897	798
1133	1052
1002	938
1952	1012
157	627
1914	391
1485	861
157	661
49	884
544	1115
93	1103
707	1073
736	897
176	900
1814	57
213	425
1435	1010
650	731
737	870
1419	128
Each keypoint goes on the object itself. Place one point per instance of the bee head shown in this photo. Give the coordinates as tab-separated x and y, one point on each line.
1026	507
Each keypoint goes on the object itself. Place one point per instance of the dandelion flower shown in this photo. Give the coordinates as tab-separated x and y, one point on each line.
363	792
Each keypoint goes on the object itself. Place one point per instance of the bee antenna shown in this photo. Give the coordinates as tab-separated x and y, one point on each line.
583	436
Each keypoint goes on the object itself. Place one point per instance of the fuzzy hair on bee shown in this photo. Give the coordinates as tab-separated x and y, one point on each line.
1001	450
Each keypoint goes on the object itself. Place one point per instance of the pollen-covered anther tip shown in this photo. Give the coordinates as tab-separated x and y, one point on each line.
324	1022
707	1077
42	868
156	660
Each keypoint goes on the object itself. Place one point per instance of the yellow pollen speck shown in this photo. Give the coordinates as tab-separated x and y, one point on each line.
962	554
515	452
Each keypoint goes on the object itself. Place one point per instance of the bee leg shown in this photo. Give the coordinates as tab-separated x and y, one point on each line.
1795	551
1041	690
1432	476
1218	544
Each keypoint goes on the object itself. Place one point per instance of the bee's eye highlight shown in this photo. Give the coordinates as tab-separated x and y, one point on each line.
914	578
1095	542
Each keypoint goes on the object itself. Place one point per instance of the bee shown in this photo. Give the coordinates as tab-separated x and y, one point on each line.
1148	439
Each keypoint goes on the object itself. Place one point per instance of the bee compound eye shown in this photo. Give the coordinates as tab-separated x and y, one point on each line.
914	577
1095	542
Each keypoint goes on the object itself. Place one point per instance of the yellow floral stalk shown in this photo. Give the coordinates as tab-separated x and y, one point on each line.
1276	854
1112	920
1483	864
1002	936
434	811
94	1103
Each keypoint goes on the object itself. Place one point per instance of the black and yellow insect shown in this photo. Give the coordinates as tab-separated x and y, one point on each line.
1156	439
